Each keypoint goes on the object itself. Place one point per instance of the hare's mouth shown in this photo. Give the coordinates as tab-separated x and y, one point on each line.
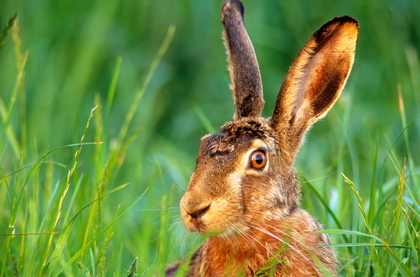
220	226
198	225
220	232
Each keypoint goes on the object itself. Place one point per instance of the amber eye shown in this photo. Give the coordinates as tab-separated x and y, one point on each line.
258	159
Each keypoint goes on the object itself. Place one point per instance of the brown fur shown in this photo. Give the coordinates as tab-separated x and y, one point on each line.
252	216
248	254
244	72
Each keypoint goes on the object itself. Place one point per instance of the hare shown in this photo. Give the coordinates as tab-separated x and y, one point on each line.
244	193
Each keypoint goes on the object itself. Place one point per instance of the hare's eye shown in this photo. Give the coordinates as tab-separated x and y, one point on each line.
258	159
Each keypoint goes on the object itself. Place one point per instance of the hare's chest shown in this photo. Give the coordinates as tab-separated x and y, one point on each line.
245	256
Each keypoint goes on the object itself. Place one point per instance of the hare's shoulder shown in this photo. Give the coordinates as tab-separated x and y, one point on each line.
305	247
304	226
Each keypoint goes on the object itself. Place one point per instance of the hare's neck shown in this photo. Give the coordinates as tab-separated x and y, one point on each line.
287	245
246	253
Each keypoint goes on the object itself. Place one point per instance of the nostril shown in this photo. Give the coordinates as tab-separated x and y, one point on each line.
199	212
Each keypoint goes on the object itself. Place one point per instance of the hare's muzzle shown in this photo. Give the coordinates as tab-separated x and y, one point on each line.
193	209
197	214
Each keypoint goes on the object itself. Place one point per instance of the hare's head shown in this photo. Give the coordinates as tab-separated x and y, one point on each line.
244	173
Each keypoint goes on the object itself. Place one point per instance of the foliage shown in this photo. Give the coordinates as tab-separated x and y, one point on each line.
102	105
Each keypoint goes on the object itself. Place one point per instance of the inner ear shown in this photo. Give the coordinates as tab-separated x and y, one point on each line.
328	69
318	75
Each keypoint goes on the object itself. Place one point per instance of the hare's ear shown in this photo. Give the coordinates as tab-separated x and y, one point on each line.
315	79
243	66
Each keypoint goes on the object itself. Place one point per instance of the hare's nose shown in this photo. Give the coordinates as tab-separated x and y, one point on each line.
198	212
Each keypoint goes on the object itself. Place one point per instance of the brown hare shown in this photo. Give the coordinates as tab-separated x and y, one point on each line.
244	193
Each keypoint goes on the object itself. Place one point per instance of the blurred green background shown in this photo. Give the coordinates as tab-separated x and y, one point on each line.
73	49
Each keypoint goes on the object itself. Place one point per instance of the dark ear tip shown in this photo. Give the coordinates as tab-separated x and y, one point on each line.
344	19
337	24
233	4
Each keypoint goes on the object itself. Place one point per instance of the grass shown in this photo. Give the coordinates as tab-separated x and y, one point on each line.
102	105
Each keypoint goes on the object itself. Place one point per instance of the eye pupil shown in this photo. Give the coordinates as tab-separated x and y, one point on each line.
258	160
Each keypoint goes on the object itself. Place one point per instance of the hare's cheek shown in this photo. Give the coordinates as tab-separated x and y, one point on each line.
222	215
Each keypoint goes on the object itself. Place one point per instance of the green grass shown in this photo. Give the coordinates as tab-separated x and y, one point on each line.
103	103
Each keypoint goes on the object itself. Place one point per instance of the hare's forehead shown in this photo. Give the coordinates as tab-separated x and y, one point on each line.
236	137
